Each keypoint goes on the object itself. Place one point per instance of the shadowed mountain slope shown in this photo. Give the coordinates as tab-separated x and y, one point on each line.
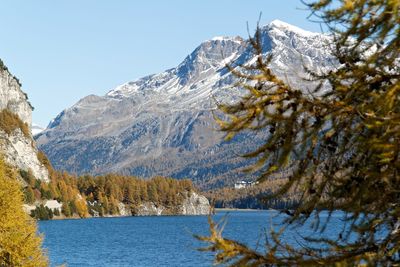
162	124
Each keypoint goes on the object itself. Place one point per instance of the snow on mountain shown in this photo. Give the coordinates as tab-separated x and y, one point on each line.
162	124
36	129
283	26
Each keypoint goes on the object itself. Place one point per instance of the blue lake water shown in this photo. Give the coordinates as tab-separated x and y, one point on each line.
151	241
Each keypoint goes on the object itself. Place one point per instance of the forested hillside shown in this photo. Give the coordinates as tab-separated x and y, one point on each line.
87	195
252	197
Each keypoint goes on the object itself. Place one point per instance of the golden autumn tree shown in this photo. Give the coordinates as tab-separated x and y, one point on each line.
81	207
19	243
340	141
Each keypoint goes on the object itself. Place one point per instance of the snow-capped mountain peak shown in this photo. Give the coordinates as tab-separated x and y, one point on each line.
209	57
163	124
236	39
212	55
286	27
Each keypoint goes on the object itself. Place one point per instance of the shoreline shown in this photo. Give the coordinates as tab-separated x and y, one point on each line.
62	218
236	209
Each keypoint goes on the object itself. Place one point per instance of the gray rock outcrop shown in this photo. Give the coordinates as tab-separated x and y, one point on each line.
124	210
193	204
12	97
149	209
18	149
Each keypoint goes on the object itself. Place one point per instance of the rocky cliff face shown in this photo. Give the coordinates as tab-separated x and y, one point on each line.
193	204
12	97
163	124
18	149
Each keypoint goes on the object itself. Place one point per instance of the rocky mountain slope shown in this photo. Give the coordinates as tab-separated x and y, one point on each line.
16	143
162	124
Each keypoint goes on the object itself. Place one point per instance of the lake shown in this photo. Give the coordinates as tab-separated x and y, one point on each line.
150	241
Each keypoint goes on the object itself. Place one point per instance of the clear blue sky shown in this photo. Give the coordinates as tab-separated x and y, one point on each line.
64	50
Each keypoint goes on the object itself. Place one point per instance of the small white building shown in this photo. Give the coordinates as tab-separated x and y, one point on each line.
53	205
243	184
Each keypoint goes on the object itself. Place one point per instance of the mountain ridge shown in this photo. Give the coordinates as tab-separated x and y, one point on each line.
162	124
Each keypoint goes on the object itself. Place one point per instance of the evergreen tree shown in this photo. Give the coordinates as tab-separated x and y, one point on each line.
56	212
66	210
341	145
29	195
19	243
